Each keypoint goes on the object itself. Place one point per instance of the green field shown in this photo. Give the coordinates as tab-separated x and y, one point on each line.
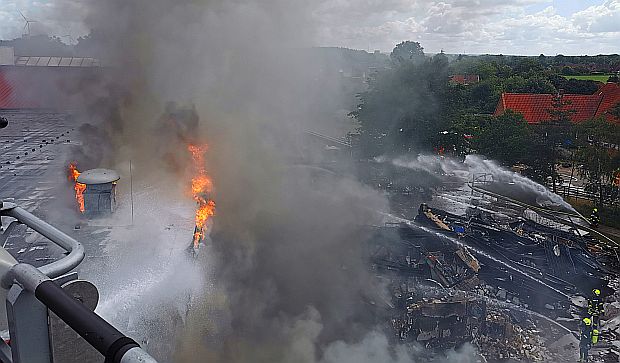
593	77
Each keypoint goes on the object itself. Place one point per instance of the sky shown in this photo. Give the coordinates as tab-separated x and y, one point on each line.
527	27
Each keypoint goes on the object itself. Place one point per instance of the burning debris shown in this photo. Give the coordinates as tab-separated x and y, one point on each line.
95	190
202	186
74	174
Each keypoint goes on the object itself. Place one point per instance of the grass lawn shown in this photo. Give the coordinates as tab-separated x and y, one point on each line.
592	77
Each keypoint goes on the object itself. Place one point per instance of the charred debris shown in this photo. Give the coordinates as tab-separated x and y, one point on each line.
515	288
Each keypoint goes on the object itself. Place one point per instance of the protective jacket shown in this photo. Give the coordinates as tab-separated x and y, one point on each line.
595	306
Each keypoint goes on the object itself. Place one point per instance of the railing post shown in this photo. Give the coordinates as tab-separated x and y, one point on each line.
27	318
32	292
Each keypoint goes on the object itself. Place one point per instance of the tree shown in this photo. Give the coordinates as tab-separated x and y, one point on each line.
542	59
599	154
528	67
407	51
568	71
550	136
615	111
536	84
574	86
505	138
404	109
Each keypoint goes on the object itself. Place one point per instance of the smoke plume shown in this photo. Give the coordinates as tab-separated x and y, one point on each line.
284	274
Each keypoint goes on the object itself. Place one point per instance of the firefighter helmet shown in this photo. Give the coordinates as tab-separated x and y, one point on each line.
596	292
595	210
587	321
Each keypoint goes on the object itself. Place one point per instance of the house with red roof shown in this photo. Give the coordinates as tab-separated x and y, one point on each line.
465	79
535	107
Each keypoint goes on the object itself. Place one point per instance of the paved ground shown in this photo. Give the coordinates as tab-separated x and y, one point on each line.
32	156
133	263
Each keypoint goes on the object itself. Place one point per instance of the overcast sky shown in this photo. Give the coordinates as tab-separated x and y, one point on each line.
526	27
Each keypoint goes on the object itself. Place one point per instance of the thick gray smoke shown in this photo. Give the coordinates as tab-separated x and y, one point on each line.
285	277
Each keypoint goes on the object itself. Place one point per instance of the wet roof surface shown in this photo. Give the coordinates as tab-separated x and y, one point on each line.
33	149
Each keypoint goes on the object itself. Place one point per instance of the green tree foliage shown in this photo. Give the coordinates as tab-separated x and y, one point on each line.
533	84
528	67
549	137
615	111
484	96
599	154
574	86
505	138
406	52
404	108
465	130
584	64
412	108
568	71
542	59
500	74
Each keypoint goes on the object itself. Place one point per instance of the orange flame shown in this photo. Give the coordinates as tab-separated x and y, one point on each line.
78	187
201	185
203	213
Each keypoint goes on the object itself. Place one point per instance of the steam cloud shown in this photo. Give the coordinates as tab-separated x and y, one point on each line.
285	278
505	181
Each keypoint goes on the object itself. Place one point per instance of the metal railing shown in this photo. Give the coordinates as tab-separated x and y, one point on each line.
57	268
29	287
565	218
611	195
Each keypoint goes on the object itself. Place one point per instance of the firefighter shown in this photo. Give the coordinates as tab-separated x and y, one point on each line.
594	218
595	307
585	339
595	334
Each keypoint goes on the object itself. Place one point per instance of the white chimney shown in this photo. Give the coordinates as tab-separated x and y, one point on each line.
7	56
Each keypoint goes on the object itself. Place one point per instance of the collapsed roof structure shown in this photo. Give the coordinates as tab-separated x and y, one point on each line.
514	287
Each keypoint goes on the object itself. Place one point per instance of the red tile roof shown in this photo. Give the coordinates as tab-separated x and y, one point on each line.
465	78
535	107
610	93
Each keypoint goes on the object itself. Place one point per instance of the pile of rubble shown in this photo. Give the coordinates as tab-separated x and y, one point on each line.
508	288
506	340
